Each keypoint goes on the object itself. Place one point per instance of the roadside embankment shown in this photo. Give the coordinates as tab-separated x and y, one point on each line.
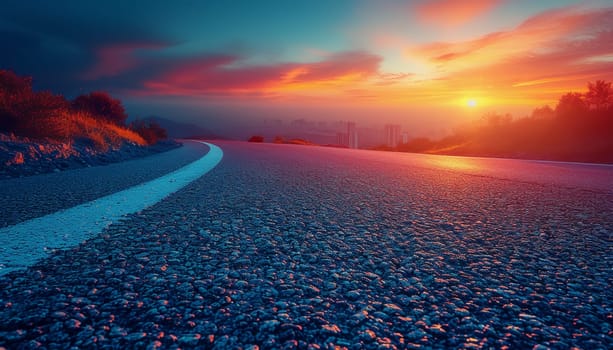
20	156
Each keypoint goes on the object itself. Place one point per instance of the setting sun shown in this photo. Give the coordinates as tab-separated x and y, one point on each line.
471	102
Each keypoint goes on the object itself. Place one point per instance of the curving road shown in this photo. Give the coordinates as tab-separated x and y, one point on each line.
24	243
306	247
34	196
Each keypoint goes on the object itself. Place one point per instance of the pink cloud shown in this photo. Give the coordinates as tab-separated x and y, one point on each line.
340	64
451	13
115	59
226	75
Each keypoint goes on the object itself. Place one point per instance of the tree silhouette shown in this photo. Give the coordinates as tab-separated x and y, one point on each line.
544	112
101	105
599	96
152	132
497	120
571	105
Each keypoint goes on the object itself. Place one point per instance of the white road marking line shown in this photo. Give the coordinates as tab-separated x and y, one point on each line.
23	244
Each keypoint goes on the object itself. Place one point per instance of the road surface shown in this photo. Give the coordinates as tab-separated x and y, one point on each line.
25	243
285	246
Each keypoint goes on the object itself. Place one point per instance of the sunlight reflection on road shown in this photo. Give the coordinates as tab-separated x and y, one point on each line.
598	177
454	163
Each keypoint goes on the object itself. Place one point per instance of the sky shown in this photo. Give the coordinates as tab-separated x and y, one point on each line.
427	65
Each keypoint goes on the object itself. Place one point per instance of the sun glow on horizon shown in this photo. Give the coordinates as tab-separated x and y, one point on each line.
471	102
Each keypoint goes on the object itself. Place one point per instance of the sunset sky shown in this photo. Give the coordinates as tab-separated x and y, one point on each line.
427	65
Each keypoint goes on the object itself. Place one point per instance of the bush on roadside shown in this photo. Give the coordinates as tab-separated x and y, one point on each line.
29	113
152	132
99	133
102	106
96	120
278	140
256	138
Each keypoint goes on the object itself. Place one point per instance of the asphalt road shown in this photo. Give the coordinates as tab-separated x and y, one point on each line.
34	196
305	247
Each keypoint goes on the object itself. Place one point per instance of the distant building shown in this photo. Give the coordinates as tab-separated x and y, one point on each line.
392	135
405	138
342	139
348	139
352	134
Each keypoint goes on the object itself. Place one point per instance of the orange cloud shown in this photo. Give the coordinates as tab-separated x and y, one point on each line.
451	13
529	65
546	55
537	33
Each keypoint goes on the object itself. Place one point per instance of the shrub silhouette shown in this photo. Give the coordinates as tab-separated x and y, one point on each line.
99	134
256	138
278	139
151	132
101	105
28	113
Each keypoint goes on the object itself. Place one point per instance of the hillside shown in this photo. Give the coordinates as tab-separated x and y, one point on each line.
42	132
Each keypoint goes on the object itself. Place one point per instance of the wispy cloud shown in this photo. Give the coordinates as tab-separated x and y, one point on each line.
227	75
541	57
556	48
449	13
112	60
556	79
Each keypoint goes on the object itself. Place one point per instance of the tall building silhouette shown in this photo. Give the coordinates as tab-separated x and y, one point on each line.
392	135
342	139
352	134
405	138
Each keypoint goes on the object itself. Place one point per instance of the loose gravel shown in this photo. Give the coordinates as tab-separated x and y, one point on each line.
293	247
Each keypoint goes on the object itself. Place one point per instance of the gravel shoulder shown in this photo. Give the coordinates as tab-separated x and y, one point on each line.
297	247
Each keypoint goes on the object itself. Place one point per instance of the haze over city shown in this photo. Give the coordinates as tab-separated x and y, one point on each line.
247	67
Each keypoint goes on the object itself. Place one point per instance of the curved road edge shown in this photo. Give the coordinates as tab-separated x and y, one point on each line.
23	244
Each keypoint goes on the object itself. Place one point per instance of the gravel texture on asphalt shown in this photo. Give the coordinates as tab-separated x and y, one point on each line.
33	196
297	247
24	244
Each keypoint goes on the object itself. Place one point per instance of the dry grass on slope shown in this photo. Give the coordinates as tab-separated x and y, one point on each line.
80	126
